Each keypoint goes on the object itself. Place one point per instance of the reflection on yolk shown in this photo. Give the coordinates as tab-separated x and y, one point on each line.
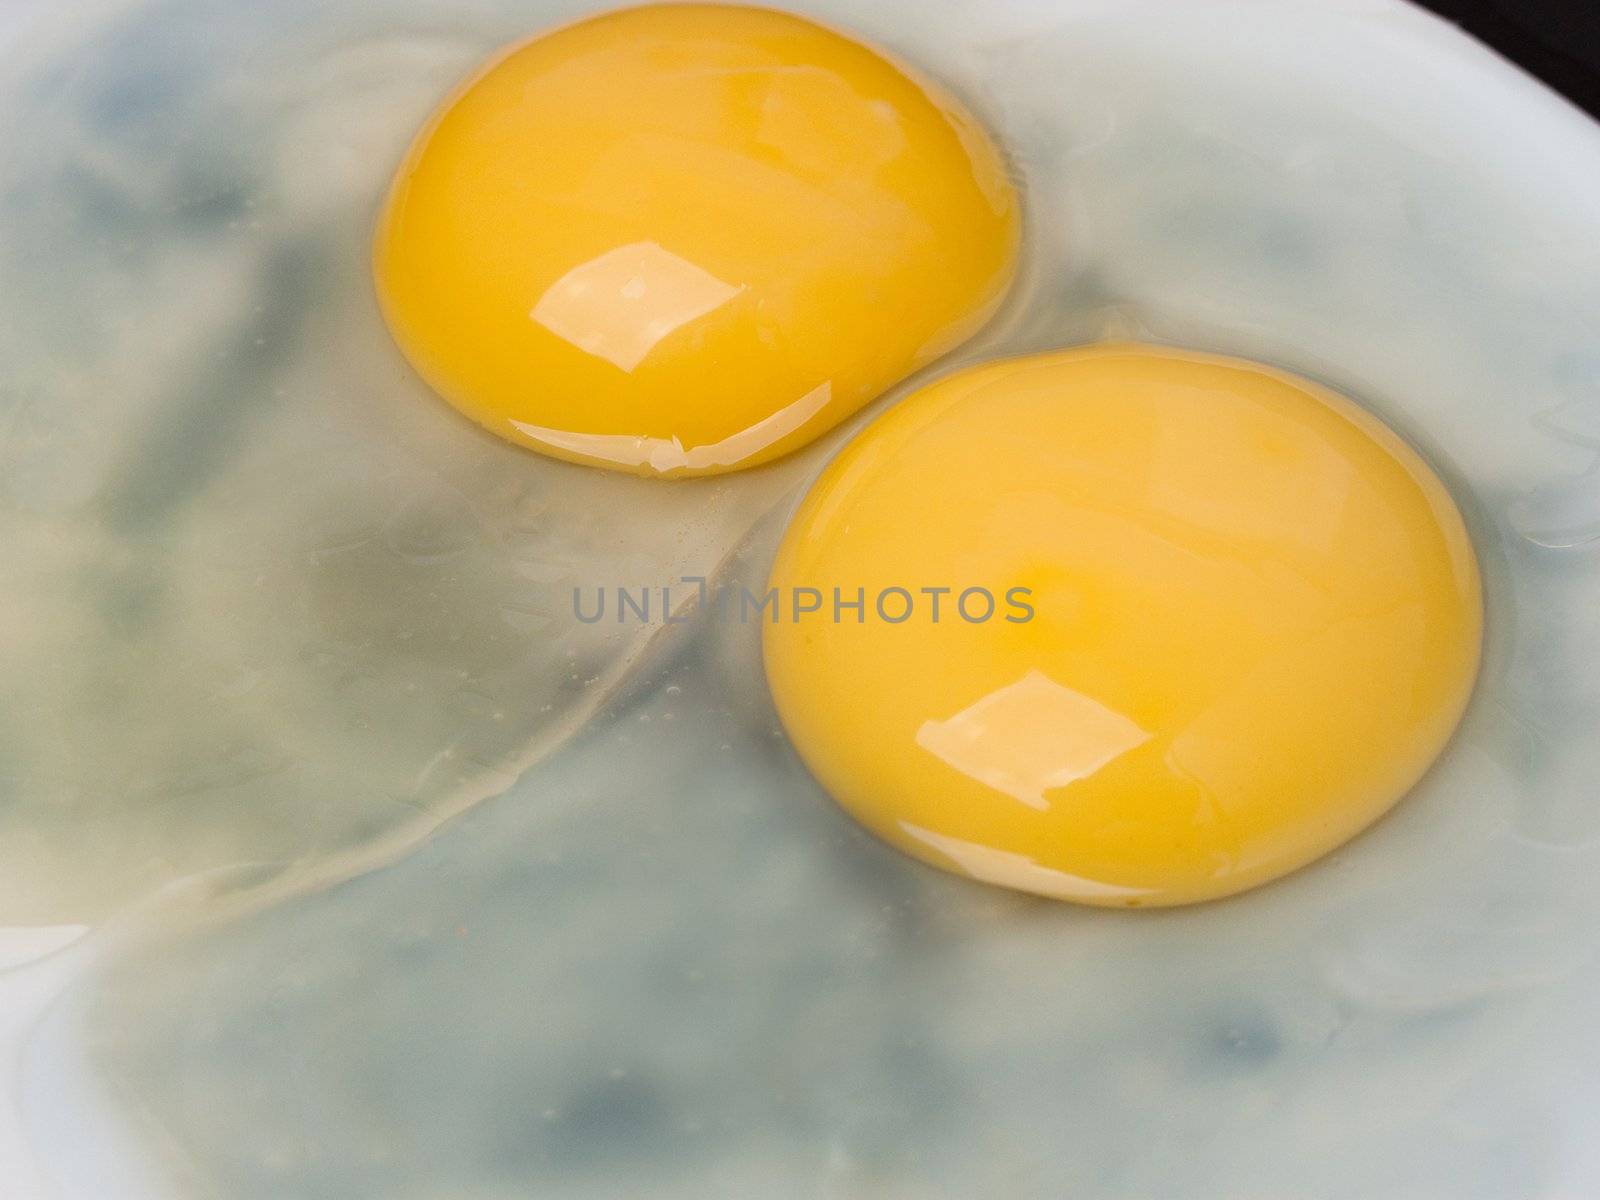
684	239
1255	620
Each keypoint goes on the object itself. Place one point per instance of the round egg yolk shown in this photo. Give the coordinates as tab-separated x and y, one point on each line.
685	239
1204	622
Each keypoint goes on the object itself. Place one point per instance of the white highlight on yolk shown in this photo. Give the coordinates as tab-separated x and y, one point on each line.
1031	736
989	865
620	305
669	454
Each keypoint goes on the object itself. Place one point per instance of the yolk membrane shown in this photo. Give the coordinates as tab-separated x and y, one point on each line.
685	239
1235	619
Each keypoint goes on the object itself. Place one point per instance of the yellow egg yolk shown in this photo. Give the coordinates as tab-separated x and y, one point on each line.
1233	618
685	239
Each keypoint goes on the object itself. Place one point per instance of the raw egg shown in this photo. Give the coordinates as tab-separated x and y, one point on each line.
1123	625
684	239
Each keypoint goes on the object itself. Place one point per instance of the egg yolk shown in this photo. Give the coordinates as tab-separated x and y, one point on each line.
1135	627
684	239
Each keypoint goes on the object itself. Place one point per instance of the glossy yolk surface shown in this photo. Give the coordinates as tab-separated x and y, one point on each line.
687	239
1255	621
